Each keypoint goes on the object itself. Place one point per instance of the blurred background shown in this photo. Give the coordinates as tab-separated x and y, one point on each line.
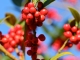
58	15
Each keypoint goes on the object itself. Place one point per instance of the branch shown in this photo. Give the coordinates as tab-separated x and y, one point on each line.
7	53
20	57
63	46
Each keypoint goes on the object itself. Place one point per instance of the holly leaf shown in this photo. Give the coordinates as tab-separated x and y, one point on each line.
75	14
47	2
10	19
60	55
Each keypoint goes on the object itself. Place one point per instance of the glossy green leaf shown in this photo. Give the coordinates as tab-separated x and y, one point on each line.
10	19
48	2
60	55
75	14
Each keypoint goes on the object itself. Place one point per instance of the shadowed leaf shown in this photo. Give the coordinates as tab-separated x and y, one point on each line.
17	2
48	2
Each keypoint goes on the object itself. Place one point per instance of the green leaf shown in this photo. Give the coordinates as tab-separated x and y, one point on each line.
5	58
10	19
24	2
48	2
46	57
17	2
60	55
35	1
1	21
75	14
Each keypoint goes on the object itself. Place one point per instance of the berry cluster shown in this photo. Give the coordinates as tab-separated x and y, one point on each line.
13	38
73	33
34	17
33	43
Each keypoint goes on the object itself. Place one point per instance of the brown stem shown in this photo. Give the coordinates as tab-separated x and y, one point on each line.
20	57
23	43
7	53
63	46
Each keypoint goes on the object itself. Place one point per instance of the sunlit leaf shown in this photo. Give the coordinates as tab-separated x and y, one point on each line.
60	55
35	1
48	2
10	19
75	14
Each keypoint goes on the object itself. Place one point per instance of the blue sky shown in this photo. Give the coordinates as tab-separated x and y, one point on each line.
8	6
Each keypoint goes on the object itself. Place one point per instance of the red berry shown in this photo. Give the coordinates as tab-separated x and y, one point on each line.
40	5
70	45
30	5
12	34
20	32
66	27
44	12
7	36
73	39
29	52
78	37
17	37
10	49
35	40
42	18
11	30
78	32
32	9
21	38
29	36
13	43
18	27
25	10
37	14
32	27
34	48
74	29
17	41
29	21
6	45
34	56
23	16
4	40
29	16
67	34
28	43
41	37
10	39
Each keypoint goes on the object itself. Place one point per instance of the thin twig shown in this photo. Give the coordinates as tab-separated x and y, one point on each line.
63	46
7	53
